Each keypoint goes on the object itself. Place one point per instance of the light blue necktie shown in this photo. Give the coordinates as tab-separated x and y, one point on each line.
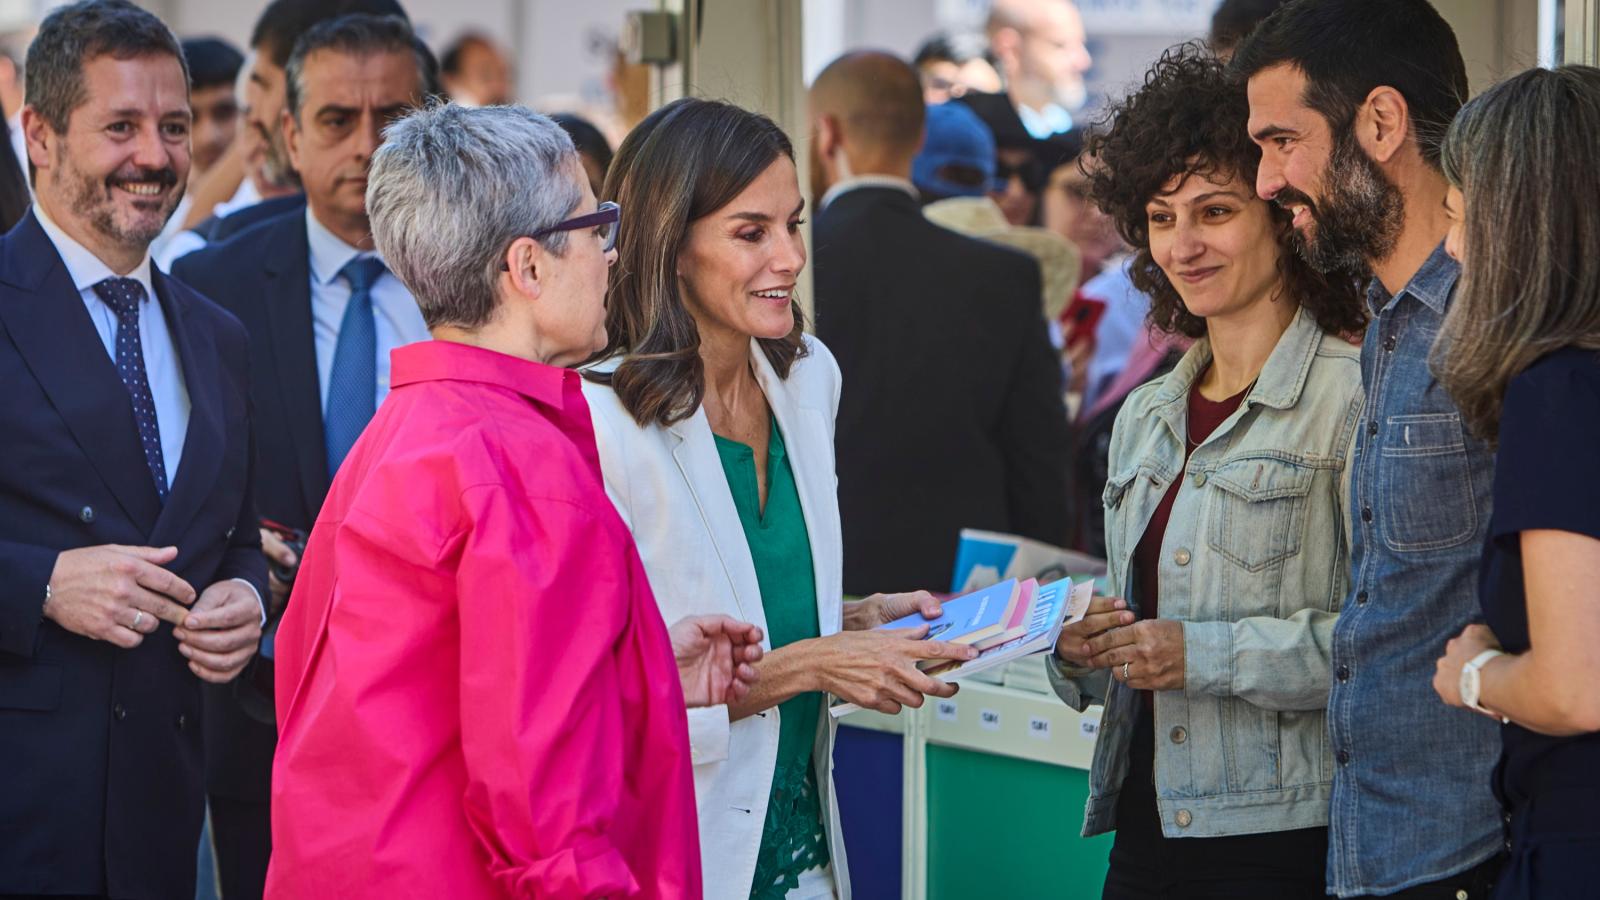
353	384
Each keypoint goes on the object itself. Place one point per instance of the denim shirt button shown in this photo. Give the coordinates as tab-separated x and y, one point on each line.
1183	818
1388	343
1181	557
1343	673
1366	514
1372	428
1361	599
1343	756
1179	735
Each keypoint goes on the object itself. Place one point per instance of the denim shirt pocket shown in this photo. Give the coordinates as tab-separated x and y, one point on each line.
1260	510
1427	491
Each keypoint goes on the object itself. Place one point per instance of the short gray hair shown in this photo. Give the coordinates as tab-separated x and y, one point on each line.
452	187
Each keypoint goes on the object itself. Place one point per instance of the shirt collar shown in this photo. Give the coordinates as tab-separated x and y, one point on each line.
1041	123
1283	376
84	268
329	253
436	360
865	181
1431	284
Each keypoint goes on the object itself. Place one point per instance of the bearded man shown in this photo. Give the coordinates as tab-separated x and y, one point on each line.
130	562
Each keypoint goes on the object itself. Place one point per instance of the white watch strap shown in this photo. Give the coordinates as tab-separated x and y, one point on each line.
1476	664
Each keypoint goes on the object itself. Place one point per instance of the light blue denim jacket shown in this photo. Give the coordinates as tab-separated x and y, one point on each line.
1254	563
1411	799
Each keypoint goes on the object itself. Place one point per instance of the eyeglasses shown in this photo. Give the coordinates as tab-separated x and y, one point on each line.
604	220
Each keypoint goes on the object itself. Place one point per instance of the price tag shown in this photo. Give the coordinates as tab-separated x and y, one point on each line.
1039	728
989	719
945	710
1089	728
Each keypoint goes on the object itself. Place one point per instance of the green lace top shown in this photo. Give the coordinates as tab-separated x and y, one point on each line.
792	840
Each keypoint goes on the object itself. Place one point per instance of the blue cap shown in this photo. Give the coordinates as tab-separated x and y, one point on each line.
954	136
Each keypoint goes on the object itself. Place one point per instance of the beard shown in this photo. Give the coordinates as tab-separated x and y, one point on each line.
1359	218
95	199
276	169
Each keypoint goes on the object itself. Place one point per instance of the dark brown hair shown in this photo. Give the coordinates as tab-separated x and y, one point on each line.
685	161
1189	119
1530	283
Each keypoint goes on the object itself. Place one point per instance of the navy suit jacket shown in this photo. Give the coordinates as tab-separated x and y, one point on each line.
102	746
951	415
263	276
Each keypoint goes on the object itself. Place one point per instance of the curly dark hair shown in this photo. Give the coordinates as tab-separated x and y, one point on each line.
1190	119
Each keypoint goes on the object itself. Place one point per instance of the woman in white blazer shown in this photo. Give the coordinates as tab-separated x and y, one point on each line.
714	415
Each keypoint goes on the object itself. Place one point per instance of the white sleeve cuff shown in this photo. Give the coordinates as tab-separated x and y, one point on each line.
259	601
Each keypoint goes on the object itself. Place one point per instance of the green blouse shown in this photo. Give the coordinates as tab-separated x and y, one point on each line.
792	840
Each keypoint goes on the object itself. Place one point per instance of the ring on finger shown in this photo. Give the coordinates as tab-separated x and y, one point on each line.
138	616
1125	671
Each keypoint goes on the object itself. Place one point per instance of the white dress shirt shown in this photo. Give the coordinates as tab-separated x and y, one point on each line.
161	363
862	181
394	311
163	369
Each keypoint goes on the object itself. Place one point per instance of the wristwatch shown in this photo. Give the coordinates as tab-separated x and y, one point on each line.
1471	683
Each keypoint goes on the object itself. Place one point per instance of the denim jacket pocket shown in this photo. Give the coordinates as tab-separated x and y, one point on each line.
1261	506
1427	498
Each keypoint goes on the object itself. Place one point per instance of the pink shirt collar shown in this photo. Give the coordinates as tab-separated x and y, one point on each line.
437	360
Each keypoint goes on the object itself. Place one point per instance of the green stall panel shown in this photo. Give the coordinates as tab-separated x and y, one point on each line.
1005	827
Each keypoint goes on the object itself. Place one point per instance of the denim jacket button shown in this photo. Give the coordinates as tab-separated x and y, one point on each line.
1366	514
1343	673
1199	479
1181	557
1372	428
1183	818
1388	343
1361	599
1344	757
1179	735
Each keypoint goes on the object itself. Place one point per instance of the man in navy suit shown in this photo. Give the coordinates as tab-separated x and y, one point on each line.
130	564
322	313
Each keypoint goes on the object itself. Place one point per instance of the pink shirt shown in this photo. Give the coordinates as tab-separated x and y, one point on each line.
476	694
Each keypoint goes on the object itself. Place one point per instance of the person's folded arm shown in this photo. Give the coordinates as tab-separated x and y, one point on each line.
1278	664
542	588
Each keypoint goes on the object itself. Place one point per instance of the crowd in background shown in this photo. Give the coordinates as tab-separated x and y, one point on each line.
407	493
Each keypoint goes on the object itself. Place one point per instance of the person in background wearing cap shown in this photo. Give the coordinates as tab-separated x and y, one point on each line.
1019	158
954	171
951	414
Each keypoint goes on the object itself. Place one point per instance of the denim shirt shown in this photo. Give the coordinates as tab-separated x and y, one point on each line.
1254	564
1411	797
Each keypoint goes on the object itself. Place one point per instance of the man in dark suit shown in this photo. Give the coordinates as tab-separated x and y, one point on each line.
322	314
129	560
951	415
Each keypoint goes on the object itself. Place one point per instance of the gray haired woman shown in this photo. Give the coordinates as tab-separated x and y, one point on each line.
476	694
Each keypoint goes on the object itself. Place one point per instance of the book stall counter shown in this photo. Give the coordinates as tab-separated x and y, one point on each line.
978	795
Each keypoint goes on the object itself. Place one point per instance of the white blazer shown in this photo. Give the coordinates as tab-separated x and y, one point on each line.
669	486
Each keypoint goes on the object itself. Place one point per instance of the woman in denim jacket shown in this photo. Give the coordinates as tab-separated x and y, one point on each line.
1226	529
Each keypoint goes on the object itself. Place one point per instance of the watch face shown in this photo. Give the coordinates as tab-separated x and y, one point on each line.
1469	685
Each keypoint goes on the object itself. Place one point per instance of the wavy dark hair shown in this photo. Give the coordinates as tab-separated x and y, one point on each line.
685	161
1189	119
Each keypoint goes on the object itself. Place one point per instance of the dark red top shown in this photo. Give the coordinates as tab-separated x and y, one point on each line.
1204	417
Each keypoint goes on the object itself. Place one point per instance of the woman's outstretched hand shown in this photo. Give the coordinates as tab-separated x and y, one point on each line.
716	658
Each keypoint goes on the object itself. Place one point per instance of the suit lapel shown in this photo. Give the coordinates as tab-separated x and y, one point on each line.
204	442
286	296
695	451
58	341
805	433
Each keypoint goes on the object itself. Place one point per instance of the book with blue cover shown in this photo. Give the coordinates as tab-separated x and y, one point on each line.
979	618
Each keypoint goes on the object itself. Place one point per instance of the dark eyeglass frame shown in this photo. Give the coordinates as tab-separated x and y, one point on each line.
607	213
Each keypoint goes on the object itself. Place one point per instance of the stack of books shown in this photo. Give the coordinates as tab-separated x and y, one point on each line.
1005	622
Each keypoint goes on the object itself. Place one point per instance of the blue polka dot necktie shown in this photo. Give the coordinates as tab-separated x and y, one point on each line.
124	295
353	383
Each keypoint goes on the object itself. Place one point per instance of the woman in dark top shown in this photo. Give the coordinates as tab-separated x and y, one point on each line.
1225	518
1520	351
